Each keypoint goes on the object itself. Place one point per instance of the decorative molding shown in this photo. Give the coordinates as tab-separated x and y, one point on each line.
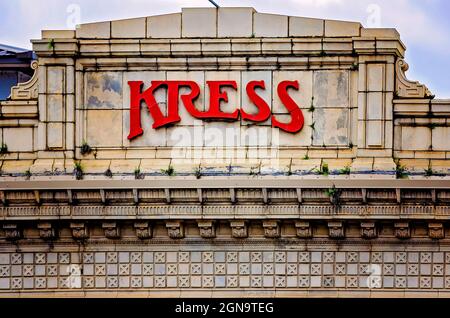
112	231
79	231
207	229
46	231
436	231
304	229
402	230
368	230
175	229
406	88
336	230
12	231
271	229
143	230
239	229
27	90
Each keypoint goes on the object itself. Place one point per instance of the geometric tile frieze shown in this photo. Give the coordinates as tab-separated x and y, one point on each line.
225	268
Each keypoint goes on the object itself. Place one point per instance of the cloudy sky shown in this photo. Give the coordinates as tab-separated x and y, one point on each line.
423	24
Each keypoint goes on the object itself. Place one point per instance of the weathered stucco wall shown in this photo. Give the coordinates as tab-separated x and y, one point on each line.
356	203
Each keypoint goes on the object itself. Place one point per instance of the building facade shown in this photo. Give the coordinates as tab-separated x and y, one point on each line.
224	152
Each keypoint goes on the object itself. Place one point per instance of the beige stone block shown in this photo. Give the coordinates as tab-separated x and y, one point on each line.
331	127
441	138
154	165
164	26
55	80
216	47
42	166
245	46
341	28
305	165
375	77
302	46
338	164
97	30
146	77
384	164
380	33
235	22
57	34
55	108
362	164
416	138
222	134
441	166
111	154
255	136
185	136
150	136
270	25
375	106
331	89
103	90
301	138
418	165
199	22
55	135
302	96
305	27
16	166
110	134
60	165
374	133
18	139
140	153
276	46
124	166
128	28
95	166
127	47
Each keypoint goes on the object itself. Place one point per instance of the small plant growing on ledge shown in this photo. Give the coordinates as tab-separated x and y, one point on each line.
289	172
400	170
138	174
198	172
3	149
170	171
85	148
351	145
51	44
108	173
28	174
334	195
324	170
429	171
345	170
255	171
306	157
78	170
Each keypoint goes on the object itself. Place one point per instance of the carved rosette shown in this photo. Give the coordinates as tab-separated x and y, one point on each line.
143	230
207	229
239	229
271	229
46	231
12	231
304	229
436	231
112	231
79	231
368	230
402	230
175	229
336	230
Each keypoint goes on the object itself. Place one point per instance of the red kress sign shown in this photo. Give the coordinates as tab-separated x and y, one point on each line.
214	112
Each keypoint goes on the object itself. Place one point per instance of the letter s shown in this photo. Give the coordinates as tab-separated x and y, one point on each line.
297	119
